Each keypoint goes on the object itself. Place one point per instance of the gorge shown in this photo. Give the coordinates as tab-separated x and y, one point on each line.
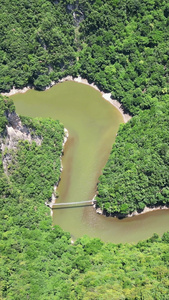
92	123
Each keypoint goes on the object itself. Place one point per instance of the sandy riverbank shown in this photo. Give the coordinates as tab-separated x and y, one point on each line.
147	210
106	96
16	91
134	213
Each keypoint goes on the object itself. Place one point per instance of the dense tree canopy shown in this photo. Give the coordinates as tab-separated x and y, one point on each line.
125	50
36	43
38	261
137	172
122	46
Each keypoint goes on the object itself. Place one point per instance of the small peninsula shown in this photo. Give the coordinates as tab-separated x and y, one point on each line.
123	48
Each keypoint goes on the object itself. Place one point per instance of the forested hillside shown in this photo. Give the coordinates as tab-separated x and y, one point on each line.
36	43
122	46
38	261
125	50
137	172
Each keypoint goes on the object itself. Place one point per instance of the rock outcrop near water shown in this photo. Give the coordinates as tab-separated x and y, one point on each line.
14	133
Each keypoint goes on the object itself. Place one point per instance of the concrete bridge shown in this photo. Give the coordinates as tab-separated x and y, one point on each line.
71	204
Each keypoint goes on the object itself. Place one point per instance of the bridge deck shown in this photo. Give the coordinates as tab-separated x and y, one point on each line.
57	205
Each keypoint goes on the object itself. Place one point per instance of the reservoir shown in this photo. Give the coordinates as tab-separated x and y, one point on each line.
92	123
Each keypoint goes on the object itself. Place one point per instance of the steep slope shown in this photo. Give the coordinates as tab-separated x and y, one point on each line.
37	261
137	172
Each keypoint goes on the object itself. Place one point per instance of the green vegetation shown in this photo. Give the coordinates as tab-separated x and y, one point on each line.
137	172
5	105
34	169
125	50
37	261
36	43
122	46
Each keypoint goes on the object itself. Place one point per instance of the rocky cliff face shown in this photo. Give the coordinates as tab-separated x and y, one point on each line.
15	132
78	15
75	10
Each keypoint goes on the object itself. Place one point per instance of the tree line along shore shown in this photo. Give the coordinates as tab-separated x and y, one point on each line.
38	260
123	47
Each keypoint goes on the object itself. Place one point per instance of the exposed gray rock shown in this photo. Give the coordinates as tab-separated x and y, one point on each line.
99	211
78	15
15	132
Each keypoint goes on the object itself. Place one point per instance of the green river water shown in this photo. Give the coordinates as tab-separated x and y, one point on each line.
92	123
